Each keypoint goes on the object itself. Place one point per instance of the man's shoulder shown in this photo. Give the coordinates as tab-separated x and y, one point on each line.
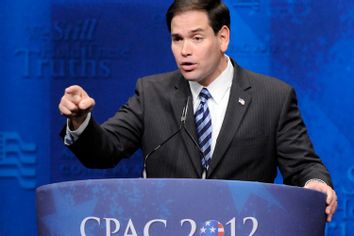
162	77
162	82
262	81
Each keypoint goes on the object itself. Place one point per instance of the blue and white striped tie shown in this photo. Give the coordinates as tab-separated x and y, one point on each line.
204	129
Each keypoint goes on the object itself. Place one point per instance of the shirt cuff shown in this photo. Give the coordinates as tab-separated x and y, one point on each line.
315	180
73	135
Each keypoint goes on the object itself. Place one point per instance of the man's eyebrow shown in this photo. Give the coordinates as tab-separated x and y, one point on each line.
198	30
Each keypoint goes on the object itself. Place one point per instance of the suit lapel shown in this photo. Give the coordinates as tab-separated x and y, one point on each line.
178	101
239	101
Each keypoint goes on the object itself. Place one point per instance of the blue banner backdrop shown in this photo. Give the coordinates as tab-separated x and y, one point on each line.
104	46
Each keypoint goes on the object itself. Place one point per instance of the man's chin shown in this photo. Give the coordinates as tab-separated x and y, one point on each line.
191	79
190	76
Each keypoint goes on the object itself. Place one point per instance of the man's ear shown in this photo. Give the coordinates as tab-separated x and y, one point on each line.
224	38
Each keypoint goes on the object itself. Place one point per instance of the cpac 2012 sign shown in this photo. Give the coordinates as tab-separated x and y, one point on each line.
113	226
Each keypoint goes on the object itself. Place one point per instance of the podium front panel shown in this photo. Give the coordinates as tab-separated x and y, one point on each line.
178	207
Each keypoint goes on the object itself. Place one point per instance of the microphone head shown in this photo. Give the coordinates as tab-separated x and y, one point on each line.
185	112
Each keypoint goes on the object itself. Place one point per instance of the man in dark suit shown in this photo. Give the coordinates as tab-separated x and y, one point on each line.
237	124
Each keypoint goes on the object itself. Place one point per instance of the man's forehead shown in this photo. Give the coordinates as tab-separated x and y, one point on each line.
190	20
192	28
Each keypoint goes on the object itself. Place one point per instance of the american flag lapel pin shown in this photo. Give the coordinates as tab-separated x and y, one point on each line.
241	101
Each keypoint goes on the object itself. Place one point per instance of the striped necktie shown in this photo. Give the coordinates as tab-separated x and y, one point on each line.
203	125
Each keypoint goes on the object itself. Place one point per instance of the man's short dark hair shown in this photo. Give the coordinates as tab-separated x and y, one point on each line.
217	11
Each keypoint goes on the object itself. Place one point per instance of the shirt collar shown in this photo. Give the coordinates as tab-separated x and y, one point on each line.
219	87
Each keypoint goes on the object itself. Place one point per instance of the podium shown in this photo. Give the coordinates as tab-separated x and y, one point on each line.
178	207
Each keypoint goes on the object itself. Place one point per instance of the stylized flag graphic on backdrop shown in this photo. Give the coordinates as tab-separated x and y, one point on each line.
17	159
212	228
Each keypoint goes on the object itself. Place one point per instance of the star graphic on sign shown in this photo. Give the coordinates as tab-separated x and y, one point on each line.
212	230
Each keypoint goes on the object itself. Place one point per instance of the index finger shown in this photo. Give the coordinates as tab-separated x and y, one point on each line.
76	93
75	90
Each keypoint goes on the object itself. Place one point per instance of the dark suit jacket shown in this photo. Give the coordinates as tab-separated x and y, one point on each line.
266	132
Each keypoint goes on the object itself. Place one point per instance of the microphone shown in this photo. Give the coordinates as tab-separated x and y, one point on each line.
182	126
182	122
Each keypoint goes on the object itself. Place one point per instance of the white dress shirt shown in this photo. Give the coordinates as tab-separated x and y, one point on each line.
220	94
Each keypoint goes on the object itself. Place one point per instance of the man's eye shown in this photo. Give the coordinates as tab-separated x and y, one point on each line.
197	38
176	39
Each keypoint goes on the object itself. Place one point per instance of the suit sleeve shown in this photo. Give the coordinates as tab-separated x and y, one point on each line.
103	146
297	159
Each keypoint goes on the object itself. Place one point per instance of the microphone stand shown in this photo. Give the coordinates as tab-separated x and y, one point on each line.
157	148
182	126
183	120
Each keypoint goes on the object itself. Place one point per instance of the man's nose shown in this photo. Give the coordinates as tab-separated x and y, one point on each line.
186	49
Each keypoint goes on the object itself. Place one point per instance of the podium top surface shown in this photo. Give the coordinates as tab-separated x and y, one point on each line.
238	207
